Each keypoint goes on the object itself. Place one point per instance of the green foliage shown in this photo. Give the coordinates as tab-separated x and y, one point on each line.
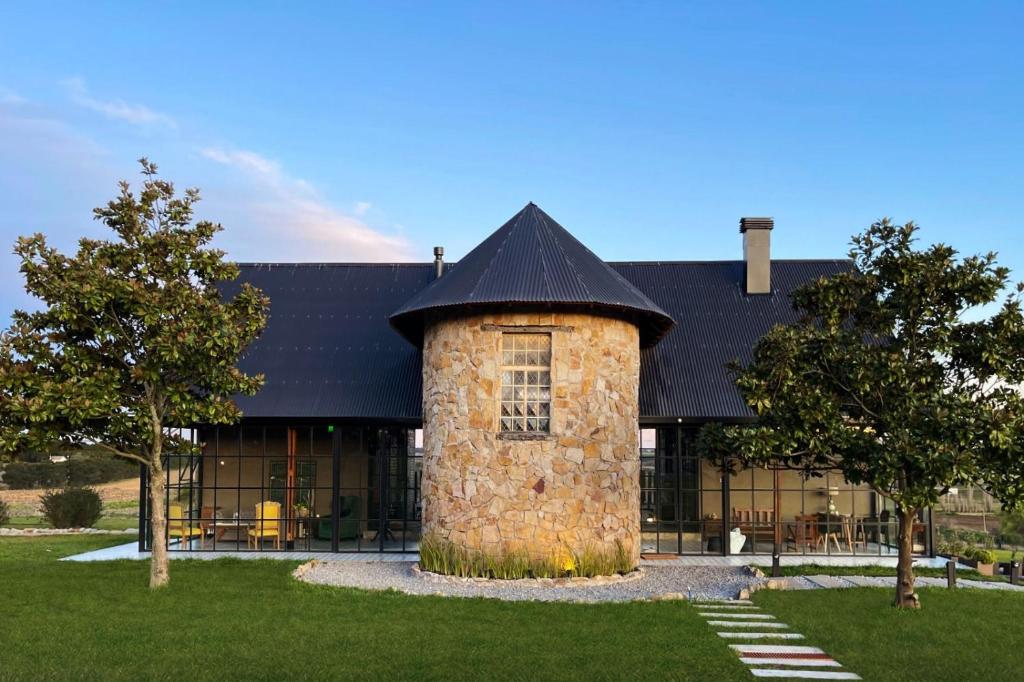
5	513
72	507
1011	527
133	334
965	536
442	556
77	471
883	379
981	555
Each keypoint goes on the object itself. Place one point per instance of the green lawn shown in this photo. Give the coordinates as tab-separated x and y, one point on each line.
233	619
1008	554
884	571
957	635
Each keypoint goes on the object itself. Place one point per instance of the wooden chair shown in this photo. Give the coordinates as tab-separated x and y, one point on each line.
207	523
268	524
178	525
829	528
804	531
755	523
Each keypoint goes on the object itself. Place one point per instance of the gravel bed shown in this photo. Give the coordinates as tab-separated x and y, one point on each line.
656	582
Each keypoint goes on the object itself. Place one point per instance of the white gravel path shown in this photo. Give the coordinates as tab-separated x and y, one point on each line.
656	582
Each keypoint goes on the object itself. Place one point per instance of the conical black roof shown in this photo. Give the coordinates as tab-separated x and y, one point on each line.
532	261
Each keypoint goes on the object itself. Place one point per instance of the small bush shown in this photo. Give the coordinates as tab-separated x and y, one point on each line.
5	514
981	555
79	470
72	507
442	556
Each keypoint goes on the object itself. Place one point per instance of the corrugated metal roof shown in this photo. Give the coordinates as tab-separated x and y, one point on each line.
328	350
716	322
532	260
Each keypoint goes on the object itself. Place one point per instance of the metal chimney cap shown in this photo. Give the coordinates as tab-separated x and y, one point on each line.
438	251
756	224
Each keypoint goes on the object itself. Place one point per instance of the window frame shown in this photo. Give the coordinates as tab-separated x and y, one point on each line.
538	365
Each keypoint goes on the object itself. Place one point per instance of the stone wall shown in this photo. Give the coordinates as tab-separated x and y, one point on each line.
575	487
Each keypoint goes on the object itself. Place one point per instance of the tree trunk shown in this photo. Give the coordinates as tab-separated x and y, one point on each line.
158	573
906	598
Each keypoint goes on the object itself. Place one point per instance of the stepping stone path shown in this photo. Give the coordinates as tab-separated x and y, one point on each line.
740	621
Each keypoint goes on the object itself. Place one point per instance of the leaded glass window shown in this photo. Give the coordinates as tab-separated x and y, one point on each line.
525	383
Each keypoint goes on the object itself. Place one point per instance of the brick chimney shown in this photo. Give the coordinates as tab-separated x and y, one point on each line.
757	254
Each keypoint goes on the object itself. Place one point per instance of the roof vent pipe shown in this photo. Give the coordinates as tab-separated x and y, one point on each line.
438	261
757	253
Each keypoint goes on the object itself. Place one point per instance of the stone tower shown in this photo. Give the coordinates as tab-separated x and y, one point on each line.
531	365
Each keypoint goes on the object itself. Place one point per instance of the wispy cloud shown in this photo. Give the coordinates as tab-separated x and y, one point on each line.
136	114
290	212
8	96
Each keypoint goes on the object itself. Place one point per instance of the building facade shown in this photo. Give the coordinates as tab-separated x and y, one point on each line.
529	396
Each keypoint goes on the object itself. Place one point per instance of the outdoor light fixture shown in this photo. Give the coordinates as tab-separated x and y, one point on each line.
222	462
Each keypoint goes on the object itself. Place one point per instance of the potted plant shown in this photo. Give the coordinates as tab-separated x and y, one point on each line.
981	559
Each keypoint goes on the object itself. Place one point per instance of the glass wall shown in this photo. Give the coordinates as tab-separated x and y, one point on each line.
315	488
684	499
681	495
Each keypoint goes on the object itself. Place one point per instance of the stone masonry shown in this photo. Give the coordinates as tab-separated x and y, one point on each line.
575	487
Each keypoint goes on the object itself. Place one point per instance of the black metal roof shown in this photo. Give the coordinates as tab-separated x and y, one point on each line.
532	260
684	376
329	352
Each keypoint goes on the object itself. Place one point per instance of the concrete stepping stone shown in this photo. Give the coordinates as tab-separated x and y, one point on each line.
747	624
797	662
776	649
761	635
726	607
828	581
804	674
738	616
865	581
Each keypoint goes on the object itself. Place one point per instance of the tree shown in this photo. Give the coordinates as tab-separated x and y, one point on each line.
884	380
133	339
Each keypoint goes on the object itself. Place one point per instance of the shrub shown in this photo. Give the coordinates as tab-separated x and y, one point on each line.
27	475
981	555
5	514
79	470
72	507
442	556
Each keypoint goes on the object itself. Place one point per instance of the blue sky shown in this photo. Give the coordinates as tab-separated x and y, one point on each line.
374	131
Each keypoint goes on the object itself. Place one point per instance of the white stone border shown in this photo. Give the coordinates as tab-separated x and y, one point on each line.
596	581
38	532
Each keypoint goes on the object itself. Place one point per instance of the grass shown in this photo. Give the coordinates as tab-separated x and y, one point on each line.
28	551
442	556
235	619
962	634
1008	554
883	571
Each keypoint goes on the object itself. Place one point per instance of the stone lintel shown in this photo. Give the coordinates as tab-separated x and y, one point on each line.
526	328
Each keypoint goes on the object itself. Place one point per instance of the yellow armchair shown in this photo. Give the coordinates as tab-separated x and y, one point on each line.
179	525
268	524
